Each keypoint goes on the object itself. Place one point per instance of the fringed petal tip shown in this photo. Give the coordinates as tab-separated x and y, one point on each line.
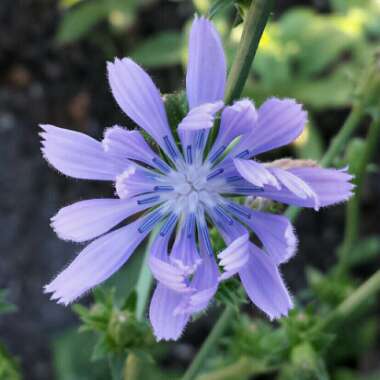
234	257
201	117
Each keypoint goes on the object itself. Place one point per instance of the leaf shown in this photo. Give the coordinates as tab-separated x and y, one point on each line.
71	357
364	251
80	20
5	307
163	49
218	6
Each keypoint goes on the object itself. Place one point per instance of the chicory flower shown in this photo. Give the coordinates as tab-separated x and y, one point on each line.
188	191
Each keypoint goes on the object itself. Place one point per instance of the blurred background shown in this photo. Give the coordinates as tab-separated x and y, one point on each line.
52	70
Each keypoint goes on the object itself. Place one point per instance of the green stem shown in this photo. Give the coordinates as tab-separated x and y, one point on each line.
132	367
361	295
241	369
209	343
254	23
353	206
336	146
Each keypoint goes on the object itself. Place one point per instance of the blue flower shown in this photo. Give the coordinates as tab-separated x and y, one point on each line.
188	191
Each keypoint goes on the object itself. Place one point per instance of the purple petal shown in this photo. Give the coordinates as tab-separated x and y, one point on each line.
234	257
255	173
205	283
236	120
330	185
280	121
184	253
206	69
78	155
88	219
98	261
168	274
264	285
123	144
200	117
276	233
166	325
135	181
296	185
140	99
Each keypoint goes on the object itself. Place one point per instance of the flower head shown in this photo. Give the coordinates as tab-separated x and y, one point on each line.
188	191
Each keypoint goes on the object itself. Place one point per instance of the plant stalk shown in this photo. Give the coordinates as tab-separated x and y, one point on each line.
209	343
353	206
254	23
361	295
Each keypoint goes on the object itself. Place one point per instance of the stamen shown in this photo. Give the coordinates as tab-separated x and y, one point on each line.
169	224
243	154
248	190
217	154
190	225
233	178
215	173
239	210
170	147
206	239
161	165
189	155
219	210
148	200
200	138
163	188
150	221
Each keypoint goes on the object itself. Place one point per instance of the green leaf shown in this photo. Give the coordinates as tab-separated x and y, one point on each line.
364	251
218	6
5	306
163	49
81	19
71	358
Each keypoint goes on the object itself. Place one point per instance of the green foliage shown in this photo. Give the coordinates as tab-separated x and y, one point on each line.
162	49
5	306
9	368
117	328
82	16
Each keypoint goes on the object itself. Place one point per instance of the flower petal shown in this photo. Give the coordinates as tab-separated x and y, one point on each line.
88	219
236	120
127	145
255	173
140	99
78	155
234	257
166	325
330	186
295	185
206	69
264	285
98	261
276	233
280	121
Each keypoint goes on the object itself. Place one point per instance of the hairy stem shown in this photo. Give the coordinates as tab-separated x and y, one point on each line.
361	295
132	368
254	23
353	206
209	343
